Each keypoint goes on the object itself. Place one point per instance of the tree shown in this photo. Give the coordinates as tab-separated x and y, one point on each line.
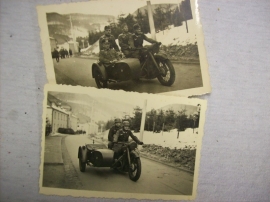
151	118
109	124
142	20
182	122
136	121
169	119
93	37
177	18
161	21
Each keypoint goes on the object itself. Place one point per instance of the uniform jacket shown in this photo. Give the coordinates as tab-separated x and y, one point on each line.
110	39
123	135
138	40
105	56
126	41
112	131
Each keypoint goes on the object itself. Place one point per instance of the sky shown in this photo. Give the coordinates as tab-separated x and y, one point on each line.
105	7
138	99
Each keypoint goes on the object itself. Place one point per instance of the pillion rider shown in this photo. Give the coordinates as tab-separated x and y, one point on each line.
112	132
122	135
107	55
108	37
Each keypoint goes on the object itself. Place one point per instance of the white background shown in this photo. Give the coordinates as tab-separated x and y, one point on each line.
235	163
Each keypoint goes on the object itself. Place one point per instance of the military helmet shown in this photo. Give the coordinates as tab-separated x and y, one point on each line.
107	27
117	120
136	26
126	123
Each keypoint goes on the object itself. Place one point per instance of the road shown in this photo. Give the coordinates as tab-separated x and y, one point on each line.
156	178
77	71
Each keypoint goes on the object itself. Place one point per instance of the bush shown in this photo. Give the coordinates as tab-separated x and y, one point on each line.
66	130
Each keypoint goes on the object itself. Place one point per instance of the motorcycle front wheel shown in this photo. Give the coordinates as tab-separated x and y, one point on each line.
135	169
166	75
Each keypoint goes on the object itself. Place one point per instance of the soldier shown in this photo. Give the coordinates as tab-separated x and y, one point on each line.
112	132
139	36
70	52
108	37
126	43
122	135
107	55
56	55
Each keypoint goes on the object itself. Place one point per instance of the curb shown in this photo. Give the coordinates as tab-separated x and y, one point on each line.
162	162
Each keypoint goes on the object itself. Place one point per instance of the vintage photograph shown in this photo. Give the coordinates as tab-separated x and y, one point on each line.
154	46
116	144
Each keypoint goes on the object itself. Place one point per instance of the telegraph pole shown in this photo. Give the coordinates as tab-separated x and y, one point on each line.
151	20
73	35
143	121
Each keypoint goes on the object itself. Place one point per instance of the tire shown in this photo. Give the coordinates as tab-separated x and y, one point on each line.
135	169
167	67
99	81
82	165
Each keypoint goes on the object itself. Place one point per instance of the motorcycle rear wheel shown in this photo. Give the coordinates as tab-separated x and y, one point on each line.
135	169
99	81
167	76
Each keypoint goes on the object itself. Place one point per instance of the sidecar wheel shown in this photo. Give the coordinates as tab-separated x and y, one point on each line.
167	76
135	169
82	165
99	81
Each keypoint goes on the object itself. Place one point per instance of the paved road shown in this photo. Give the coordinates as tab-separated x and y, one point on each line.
77	71
156	178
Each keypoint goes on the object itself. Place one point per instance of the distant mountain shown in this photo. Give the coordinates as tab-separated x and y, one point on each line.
82	23
88	108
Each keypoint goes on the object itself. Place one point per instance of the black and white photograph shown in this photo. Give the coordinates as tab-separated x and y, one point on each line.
152	46
116	144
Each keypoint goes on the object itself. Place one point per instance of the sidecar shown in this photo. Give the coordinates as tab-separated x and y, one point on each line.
95	155
123	70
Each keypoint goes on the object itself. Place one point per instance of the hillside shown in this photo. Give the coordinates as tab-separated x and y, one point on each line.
82	23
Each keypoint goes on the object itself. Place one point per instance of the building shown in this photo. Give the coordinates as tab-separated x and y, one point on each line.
57	117
73	122
53	43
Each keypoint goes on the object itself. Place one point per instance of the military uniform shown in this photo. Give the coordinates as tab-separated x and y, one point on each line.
122	136
138	40
127	46
111	40
105	56
112	132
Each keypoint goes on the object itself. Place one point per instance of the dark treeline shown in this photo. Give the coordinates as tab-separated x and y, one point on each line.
158	120
163	17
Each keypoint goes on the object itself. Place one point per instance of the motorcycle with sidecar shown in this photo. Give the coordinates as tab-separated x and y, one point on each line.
151	65
98	155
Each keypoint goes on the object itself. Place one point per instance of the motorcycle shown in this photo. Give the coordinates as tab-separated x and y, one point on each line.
151	65
98	155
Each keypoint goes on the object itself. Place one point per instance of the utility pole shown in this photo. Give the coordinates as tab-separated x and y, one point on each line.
143	121
73	35
151	20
